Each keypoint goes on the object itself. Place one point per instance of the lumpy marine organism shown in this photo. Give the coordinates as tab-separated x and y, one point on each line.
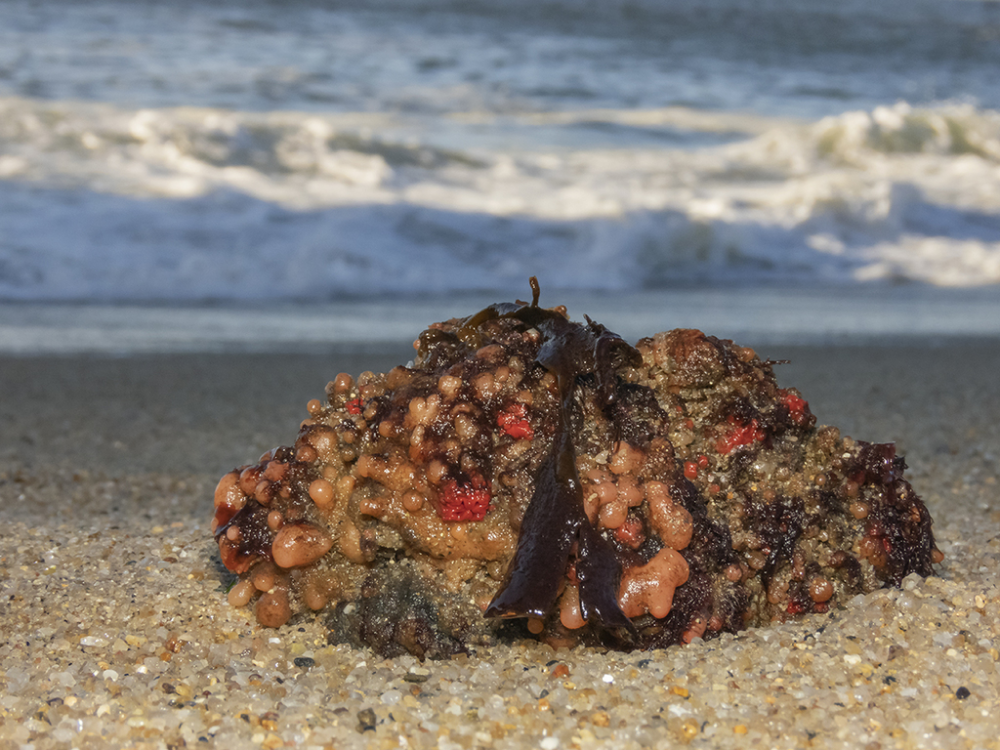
527	475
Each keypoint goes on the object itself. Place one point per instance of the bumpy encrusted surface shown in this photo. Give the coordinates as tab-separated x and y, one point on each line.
530	474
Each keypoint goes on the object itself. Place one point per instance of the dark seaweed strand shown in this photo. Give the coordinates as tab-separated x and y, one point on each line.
555	517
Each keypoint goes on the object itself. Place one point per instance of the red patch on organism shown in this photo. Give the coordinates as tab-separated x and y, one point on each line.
513	421
739	435
795	608
353	406
632	533
798	408
464	502
690	469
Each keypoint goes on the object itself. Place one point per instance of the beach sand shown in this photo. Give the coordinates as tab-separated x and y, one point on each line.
116	632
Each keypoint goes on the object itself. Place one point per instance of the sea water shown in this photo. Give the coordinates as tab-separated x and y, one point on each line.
280	153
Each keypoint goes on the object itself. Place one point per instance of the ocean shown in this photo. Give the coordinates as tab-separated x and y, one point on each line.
371	158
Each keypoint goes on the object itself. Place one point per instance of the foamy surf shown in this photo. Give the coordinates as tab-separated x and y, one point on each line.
234	151
106	203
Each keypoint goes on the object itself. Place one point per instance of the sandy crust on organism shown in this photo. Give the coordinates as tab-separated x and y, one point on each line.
529	470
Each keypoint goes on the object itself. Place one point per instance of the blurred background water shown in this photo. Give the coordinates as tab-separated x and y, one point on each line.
258	152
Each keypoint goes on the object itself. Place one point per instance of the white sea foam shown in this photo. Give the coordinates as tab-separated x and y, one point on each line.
102	202
244	150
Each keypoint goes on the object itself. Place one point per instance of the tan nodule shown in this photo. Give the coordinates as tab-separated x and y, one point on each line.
672	522
650	587
299	544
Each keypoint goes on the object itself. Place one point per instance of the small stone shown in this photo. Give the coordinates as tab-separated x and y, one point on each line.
366	720
689	729
962	693
304	662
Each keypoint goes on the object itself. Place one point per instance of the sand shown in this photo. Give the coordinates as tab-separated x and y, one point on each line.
116	633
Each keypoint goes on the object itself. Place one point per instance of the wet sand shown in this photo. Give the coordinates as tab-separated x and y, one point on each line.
115	630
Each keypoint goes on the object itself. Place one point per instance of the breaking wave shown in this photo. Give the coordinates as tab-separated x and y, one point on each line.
99	201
